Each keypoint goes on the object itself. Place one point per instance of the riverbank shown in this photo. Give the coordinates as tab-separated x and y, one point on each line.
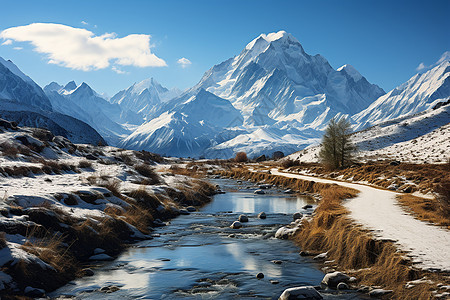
350	247
66	207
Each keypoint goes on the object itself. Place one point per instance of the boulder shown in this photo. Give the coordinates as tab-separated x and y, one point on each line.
342	286
333	279
303	292
307	206
262	215
260	275
236	225
243	218
284	233
297	215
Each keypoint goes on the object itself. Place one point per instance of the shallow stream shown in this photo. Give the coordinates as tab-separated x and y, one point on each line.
198	256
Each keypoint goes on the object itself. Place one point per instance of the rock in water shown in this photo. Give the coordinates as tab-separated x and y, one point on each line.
262	215
259	192
333	279
243	218
236	225
260	275
303	292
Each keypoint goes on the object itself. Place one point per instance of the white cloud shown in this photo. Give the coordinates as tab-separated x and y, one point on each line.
80	49
118	71
17	48
423	68
420	67
7	42
184	62
84	23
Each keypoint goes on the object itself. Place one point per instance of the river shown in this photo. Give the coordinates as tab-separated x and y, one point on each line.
198	256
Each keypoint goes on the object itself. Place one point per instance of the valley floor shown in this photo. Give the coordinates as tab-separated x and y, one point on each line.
379	211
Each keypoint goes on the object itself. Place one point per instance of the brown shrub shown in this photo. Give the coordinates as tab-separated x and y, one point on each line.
84	164
241	157
9	149
148	172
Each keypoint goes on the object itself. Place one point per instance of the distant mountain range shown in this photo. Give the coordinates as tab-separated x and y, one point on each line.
273	96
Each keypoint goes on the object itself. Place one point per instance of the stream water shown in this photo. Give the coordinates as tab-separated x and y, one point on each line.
198	256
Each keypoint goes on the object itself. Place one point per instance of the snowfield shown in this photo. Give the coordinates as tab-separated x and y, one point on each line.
378	210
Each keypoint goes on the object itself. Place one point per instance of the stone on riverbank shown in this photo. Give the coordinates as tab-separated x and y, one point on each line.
333	279
297	216
259	192
262	215
379	292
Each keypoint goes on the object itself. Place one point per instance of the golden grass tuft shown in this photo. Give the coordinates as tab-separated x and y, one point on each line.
425	209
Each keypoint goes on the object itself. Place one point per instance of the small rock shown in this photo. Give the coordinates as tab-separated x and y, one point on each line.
379	292
219	191
352	279
34	292
88	272
259	192
297	215
184	212
91	157
288	191
262	215
342	286
265	186
333	279
98	251
102	256
236	225
243	218
303	292
304	253
191	209
232	235
284	233
260	275
307	206
274	282
277	262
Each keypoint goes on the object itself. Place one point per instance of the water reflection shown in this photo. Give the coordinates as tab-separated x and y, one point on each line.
196	258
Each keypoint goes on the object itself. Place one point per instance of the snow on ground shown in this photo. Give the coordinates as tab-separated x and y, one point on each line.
378	210
422	138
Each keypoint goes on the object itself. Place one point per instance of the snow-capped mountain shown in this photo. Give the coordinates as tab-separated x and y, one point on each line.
15	85
142	97
23	101
191	126
284	95
83	103
274	78
421	92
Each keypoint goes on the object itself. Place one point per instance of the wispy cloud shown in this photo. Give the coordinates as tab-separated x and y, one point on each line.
17	48
184	62
118	71
423	68
81	49
84	23
7	42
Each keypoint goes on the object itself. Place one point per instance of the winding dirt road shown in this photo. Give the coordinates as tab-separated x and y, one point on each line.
378	210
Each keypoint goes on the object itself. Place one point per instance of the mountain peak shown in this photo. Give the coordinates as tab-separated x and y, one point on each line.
265	39
70	86
351	71
84	88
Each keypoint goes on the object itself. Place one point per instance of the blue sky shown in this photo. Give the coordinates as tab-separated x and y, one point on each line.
384	40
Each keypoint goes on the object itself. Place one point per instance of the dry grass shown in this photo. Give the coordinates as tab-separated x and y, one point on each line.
9	149
2	240
84	164
353	249
149	173
429	210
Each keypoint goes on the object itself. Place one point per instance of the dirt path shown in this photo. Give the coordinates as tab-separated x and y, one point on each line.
379	211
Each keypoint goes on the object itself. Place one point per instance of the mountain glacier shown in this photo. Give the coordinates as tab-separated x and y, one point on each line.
284	95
